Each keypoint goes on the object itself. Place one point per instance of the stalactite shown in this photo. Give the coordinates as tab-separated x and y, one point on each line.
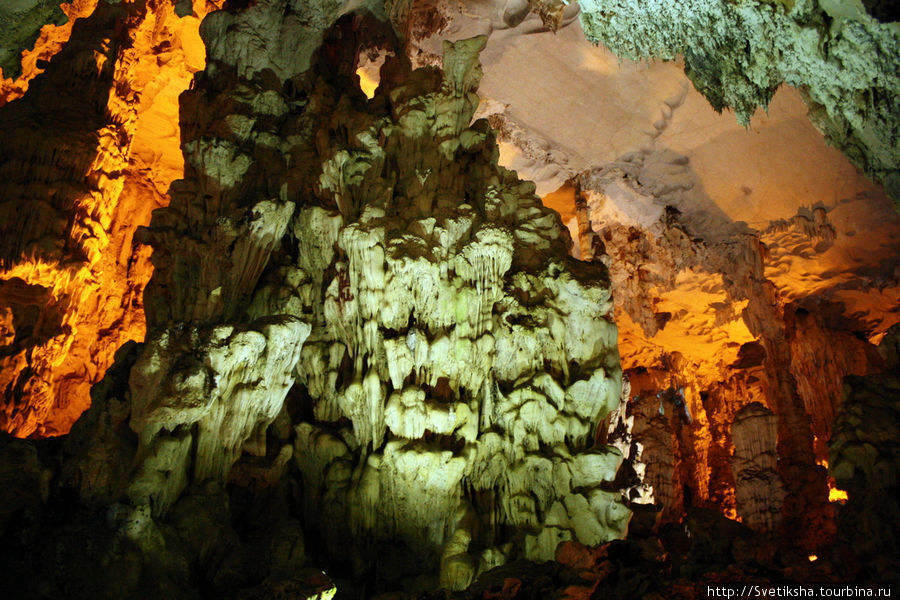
821	356
367	348
462	377
717	340
776	46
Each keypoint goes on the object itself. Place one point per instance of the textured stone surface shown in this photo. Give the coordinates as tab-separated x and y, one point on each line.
704	332
459	360
738	53
736	234
91	149
147	466
24	63
864	458
20	24
758	488
368	350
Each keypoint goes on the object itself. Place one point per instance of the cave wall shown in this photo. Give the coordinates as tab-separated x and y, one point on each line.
86	163
862	455
700	350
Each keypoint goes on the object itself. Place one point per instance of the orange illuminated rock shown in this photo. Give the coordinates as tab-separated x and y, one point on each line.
703	333
92	146
50	40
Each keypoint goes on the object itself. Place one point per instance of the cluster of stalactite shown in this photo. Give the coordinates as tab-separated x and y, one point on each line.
351	294
761	45
357	314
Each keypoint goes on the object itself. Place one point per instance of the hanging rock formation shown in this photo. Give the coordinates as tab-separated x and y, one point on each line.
704	333
366	346
459	361
843	59
450	362
221	351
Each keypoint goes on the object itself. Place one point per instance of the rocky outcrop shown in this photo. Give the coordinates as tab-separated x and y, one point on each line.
727	291
222	348
450	364
22	62
147	467
842	58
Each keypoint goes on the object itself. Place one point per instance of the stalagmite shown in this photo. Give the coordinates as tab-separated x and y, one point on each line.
759	489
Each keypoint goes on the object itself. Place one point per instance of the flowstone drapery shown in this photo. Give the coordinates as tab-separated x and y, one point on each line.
459	362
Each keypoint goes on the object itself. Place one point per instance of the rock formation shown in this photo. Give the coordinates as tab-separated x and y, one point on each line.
90	154
455	338
727	262
863	459
840	56
349	338
758	488
458	361
21	24
737	330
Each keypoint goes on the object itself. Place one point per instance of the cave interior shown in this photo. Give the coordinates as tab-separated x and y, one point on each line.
413	299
